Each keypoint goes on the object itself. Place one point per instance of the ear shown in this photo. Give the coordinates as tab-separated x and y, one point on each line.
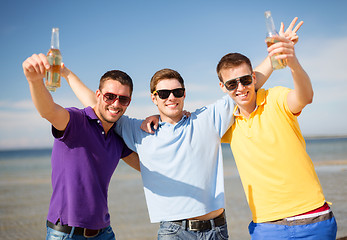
254	78
221	85
98	94
154	99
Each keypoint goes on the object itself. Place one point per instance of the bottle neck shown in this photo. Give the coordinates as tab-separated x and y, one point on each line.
55	38
270	25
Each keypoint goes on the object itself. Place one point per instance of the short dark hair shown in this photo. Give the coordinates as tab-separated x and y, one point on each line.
165	73
232	60
119	76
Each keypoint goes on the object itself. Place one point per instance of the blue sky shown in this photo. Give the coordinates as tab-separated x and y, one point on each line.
141	37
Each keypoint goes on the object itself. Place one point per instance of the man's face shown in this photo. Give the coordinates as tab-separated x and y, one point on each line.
243	96
109	113
170	108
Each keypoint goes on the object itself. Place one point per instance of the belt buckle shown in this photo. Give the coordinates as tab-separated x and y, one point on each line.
89	236
190	225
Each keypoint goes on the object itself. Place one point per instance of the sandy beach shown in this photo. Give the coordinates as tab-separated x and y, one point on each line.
24	202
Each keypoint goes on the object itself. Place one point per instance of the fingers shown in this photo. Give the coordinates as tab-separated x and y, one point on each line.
283	46
149	127
292	24
36	64
281	32
298	26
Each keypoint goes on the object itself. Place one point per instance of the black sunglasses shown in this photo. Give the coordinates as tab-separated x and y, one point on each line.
165	93
244	80
110	98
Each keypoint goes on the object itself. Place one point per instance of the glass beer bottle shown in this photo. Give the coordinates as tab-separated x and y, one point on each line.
271	32
54	58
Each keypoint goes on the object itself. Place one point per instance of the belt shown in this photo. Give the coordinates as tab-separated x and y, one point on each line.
202	225
88	233
305	219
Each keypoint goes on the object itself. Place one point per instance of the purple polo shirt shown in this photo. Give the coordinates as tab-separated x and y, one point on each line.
83	161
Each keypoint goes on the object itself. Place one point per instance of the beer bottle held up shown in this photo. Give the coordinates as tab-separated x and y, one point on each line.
54	58
271	32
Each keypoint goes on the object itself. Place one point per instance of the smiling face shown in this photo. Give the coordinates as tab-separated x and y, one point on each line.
171	108
243	96
110	113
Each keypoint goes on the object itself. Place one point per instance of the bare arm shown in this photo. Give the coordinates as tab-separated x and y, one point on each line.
133	161
83	93
302	94
34	69
264	70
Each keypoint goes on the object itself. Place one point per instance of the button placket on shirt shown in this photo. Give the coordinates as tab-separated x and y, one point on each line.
102	128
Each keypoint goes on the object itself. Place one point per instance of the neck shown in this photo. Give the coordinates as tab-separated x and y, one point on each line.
247	110
105	125
171	120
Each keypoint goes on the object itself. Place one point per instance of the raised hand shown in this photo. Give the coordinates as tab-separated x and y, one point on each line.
35	67
290	33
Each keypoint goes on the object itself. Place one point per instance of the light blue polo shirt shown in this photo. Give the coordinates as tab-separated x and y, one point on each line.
181	164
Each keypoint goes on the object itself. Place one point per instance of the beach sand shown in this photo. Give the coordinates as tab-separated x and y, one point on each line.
24	202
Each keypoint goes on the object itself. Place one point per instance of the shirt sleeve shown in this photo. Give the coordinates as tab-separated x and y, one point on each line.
129	129
227	136
221	113
76	118
126	151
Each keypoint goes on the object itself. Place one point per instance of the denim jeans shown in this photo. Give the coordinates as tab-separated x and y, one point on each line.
173	231
324	230
105	234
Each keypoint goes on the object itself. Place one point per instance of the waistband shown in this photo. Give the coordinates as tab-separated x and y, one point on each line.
88	233
307	218
202	225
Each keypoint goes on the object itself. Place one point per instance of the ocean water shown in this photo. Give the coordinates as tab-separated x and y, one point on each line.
37	160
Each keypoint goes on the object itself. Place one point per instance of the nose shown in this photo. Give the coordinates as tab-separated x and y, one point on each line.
116	103
239	85
171	96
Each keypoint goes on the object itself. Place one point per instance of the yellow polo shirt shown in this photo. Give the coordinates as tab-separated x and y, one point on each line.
277	174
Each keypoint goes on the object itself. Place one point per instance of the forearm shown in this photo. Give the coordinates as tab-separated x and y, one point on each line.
133	161
263	72
47	108
302	85
82	92
42	100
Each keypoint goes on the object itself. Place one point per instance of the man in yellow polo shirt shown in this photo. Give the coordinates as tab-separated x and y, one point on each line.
278	176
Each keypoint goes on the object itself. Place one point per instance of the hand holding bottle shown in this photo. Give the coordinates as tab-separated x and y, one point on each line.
35	67
283	50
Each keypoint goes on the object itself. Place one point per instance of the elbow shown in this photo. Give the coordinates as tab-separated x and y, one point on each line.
310	98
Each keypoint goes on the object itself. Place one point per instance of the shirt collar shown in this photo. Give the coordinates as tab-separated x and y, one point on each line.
261	94
92	116
177	124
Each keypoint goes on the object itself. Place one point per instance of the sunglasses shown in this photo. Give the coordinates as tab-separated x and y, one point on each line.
165	93
244	80
110	98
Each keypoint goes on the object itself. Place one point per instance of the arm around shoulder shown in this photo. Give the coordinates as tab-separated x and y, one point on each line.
133	161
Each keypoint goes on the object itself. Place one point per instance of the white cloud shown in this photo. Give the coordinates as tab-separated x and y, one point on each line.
324	59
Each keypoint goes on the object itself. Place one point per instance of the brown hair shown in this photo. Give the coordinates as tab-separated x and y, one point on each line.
119	76
232	60
162	74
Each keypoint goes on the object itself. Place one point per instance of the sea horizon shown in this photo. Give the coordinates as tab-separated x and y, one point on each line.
306	137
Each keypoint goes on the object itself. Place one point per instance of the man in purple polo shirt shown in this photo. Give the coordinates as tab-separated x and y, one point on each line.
85	153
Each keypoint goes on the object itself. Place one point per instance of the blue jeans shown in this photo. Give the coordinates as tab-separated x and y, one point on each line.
323	230
105	234
173	231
